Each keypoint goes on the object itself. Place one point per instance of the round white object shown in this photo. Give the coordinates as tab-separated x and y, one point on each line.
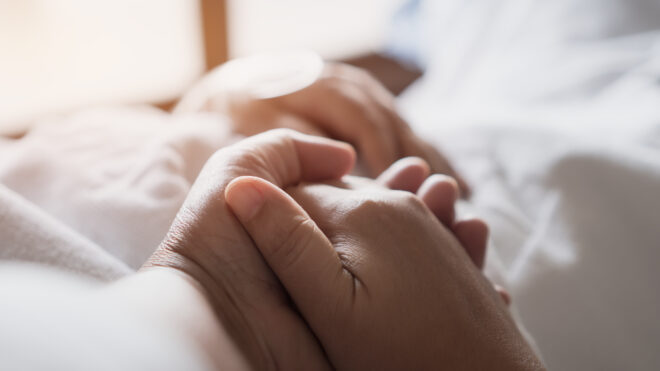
270	75
260	76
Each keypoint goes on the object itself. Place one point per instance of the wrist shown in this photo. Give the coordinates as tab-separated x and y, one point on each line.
221	312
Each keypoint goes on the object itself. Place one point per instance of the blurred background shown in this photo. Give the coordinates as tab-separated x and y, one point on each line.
56	56
550	110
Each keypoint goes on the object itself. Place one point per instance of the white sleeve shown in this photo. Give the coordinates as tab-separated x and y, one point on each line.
52	321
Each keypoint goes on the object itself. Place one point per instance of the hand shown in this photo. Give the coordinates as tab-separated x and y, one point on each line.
208	245
440	193
345	103
382	284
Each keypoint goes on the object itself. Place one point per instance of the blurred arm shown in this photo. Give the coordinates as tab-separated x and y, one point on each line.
394	75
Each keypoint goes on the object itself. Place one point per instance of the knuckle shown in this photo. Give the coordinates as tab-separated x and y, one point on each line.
255	154
335	71
294	241
276	141
386	205
365	77
220	158
282	133
409	201
238	156
366	207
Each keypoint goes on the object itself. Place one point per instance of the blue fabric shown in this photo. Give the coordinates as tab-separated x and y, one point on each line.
404	39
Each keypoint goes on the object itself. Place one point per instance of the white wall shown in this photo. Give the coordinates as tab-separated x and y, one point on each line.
59	55
334	28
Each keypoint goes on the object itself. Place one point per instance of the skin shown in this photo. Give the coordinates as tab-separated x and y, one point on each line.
209	247
380	281
209	287
207	244
216	280
346	103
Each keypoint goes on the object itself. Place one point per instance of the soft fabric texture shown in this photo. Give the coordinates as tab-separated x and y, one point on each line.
92	195
54	321
31	235
549	109
552	112
116	177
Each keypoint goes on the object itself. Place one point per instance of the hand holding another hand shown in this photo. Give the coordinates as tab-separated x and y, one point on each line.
345	103
207	244
380	281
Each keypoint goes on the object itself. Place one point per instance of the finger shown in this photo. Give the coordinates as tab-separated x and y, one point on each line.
250	117
473	235
439	194
406	174
504	294
344	113
293	246
243	278
319	159
412	145
408	143
300	125
283	157
440	164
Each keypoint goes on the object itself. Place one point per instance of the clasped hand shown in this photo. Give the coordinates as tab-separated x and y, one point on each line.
345	103
305	269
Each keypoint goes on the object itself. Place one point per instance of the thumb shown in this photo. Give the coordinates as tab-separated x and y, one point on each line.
298	252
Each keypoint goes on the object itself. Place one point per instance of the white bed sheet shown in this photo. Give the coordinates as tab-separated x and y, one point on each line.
552	112
558	133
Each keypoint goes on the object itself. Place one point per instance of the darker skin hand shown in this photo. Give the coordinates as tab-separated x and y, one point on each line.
206	243
345	103
380	281
210	246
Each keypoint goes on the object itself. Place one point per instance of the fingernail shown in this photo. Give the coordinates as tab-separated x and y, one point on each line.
244	199
446	178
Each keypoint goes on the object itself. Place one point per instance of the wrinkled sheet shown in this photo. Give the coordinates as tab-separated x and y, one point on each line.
96	191
86	198
550	109
552	112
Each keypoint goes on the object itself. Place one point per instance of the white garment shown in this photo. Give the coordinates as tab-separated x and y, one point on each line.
53	321
92	194
31	235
